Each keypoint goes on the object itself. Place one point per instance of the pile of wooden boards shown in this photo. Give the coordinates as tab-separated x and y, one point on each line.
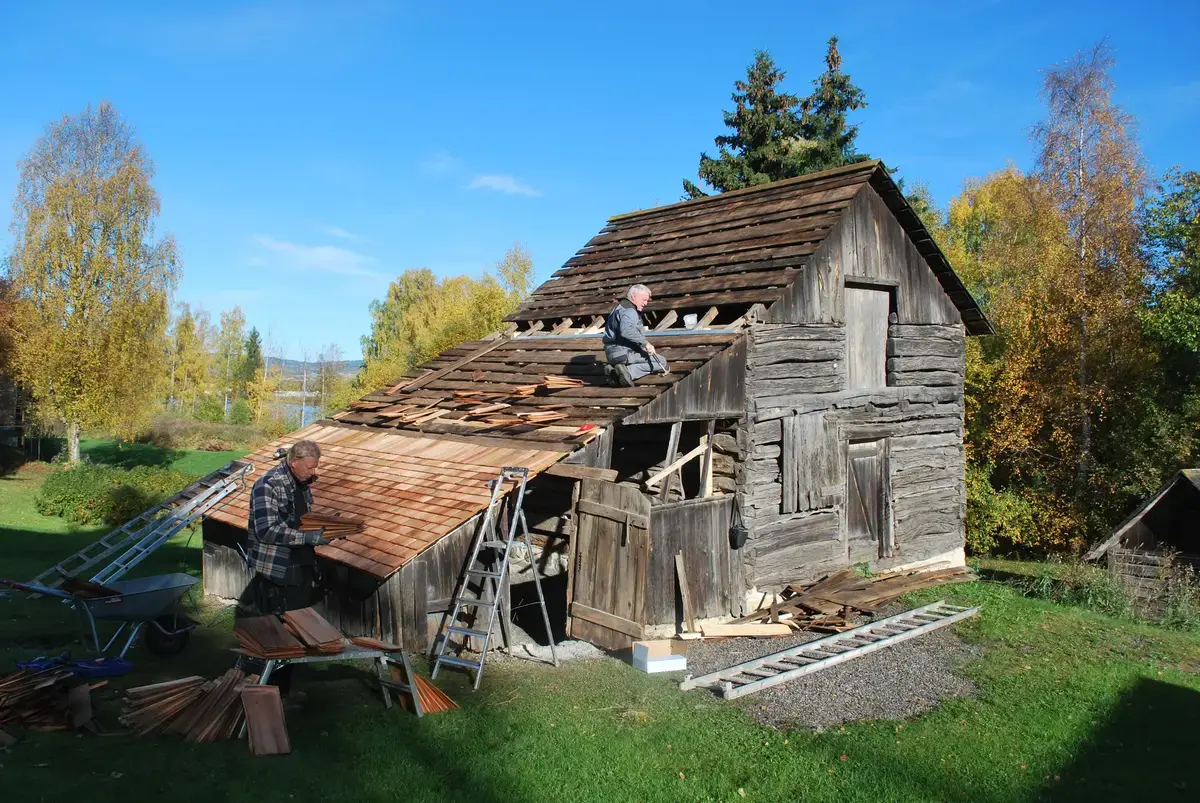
47	700
266	637
200	710
336	525
314	632
301	632
557	382
826	606
433	700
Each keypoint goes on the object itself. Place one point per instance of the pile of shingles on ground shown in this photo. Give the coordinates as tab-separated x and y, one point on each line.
301	633
200	710
828	606
48	700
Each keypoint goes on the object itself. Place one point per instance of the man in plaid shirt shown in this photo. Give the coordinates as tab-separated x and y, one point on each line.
282	555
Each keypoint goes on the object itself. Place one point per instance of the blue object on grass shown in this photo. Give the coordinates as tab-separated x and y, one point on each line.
88	668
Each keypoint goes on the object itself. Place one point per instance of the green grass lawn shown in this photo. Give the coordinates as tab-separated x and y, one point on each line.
1072	706
128	455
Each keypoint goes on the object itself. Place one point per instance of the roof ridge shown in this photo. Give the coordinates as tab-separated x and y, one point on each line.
833	171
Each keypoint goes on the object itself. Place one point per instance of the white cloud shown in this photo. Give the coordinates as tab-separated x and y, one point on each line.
320	258
502	183
340	233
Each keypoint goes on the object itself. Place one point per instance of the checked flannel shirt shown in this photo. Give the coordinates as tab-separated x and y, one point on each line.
270	532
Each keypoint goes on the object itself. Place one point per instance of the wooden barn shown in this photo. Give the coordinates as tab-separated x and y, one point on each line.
813	420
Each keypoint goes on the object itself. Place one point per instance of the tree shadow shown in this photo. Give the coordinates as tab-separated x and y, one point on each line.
130	455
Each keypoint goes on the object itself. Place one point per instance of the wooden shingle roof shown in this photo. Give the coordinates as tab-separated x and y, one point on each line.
737	248
410	490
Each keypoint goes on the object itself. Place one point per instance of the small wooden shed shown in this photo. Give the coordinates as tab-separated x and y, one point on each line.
817	340
1158	543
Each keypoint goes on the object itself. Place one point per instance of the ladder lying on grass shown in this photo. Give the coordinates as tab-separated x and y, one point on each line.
491	571
771	670
137	538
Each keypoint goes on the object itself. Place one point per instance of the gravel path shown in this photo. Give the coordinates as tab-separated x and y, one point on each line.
898	682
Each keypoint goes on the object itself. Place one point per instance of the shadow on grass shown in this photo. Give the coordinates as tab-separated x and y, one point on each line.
1145	750
131	455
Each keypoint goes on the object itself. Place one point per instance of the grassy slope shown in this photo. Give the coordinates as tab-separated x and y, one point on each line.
1072	706
128	455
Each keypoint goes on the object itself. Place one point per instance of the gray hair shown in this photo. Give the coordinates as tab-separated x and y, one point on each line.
302	449
637	289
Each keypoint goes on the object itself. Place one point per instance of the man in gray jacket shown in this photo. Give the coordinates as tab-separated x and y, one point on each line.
630	355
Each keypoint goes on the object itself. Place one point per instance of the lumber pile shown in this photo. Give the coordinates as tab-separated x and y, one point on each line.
336	525
199	710
266	637
826	606
48	700
314	632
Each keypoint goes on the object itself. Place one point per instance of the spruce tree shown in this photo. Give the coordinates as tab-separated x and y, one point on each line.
776	135
252	359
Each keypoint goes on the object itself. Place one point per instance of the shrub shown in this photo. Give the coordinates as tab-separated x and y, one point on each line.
1181	606
1076	583
211	409
1003	519
240	413
99	494
188	433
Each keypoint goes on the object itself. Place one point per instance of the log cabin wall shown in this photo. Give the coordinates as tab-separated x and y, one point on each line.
854	390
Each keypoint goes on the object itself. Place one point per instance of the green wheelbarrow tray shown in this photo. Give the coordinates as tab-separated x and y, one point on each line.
145	600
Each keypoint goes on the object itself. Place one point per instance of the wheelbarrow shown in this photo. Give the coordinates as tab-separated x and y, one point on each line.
136	603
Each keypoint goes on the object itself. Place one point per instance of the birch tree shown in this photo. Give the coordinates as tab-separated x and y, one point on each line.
91	283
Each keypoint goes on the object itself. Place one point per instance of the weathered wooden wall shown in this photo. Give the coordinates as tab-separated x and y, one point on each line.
700	530
802	413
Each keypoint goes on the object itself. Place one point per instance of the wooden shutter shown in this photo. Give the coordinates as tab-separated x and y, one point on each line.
867	313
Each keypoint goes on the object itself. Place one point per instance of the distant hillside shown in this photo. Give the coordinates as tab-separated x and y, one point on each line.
294	369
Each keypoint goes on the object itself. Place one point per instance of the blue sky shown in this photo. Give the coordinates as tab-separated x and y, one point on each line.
307	153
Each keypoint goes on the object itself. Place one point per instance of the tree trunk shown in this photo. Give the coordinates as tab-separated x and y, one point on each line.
72	442
1085	418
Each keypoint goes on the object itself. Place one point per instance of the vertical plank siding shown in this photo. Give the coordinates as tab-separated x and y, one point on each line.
700	530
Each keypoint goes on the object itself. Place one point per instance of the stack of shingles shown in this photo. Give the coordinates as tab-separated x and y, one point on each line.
433	700
199	710
266	637
826	605
335	526
559	382
47	700
317	634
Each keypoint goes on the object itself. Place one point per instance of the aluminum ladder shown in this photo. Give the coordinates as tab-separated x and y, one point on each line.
488	540
780	667
137	538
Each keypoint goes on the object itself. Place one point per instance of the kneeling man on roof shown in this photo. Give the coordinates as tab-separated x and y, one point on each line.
629	354
282	556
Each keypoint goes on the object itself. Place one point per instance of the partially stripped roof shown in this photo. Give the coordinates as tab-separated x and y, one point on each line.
729	250
410	490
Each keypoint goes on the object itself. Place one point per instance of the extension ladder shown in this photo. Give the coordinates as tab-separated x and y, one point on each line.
771	670
491	572
137	538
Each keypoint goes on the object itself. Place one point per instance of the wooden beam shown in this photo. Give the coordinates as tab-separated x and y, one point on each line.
581	472
706	476
563	325
595	326
610	621
672	451
667	320
685	594
536	326
613	514
708	318
751	630
413	384
675	466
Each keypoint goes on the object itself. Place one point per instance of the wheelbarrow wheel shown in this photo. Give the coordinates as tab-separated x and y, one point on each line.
164	637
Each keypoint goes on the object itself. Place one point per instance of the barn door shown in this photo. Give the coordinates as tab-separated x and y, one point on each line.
610	553
868	501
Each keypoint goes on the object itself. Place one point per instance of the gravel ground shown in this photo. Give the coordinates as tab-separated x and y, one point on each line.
898	682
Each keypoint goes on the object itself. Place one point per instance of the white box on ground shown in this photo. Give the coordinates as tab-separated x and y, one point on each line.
657	656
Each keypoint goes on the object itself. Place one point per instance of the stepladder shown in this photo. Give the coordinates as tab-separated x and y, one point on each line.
481	600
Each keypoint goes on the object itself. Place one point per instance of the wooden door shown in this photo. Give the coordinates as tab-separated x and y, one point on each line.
868	501
867	314
610	553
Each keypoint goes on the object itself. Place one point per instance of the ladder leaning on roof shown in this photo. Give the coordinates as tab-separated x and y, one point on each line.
137	538
491	573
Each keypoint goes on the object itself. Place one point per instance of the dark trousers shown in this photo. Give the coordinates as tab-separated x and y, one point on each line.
265	597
